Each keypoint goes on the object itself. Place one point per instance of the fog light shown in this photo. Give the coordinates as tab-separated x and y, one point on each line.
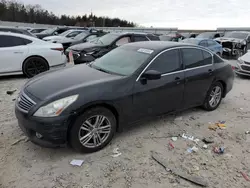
38	135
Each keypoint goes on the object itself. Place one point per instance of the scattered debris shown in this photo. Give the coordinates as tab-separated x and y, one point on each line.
241	108
179	119
174	139
23	138
116	153
220	124
10	92
76	162
14	99
171	145
247	132
194	179
205	146
212	127
193	149
219	150
192	118
187	137
245	176
208	140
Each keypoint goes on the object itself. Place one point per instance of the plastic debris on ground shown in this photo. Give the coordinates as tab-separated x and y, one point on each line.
193	149
76	162
205	146
219	150
174	139
187	137
245	176
247	132
10	92
171	145
116	153
220	124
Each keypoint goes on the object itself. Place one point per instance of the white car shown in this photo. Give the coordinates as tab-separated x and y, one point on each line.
67	34
21	54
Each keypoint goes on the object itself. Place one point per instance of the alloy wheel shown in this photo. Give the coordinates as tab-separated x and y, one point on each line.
94	131
35	67
215	96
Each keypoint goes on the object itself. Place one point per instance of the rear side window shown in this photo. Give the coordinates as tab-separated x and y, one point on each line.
11	41
140	38
153	37
217	59
59	31
208	59
192	57
167	62
211	43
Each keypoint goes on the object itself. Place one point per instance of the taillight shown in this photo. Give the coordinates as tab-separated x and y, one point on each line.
57	49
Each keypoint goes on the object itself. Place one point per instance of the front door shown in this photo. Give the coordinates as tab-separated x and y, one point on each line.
13	51
153	97
198	75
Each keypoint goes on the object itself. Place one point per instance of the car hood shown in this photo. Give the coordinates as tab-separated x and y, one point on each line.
245	57
85	46
225	39
69	79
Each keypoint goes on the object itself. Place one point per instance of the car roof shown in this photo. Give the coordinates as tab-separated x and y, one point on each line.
158	45
19	35
131	33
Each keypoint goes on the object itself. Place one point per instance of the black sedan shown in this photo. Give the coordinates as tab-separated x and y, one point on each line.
89	51
86	104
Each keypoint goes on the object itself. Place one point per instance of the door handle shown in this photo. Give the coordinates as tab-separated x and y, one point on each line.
18	52
178	80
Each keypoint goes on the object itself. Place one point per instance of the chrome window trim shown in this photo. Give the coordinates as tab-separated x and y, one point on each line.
174	48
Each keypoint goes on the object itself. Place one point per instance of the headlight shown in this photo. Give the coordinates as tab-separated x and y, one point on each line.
240	61
55	108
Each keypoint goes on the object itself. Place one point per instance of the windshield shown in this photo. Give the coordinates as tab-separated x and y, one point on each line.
65	33
236	35
107	39
205	35
117	61
81	36
48	31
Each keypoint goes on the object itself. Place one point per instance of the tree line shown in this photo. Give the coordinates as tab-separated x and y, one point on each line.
18	12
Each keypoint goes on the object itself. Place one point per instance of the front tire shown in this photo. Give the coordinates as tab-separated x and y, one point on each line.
214	97
34	65
93	130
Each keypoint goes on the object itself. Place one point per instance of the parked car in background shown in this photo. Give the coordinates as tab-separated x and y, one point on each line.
16	30
210	35
57	31
67	34
208	43
89	51
189	35
85	36
37	30
126	85
235	43
242	67
171	37
21	54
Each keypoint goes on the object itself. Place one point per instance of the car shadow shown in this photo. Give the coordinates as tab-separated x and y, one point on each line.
12	77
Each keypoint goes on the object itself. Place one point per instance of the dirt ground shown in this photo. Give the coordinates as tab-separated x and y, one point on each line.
25	165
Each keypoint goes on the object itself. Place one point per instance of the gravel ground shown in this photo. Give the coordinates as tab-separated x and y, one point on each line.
25	165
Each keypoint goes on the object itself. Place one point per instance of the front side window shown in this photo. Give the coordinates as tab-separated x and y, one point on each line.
73	34
211	43
204	43
117	61
123	40
140	38
11	41
167	62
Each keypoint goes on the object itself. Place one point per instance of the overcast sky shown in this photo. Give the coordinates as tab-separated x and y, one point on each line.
184	14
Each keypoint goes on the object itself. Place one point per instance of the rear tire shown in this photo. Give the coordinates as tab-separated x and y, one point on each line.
34	65
90	134
214	97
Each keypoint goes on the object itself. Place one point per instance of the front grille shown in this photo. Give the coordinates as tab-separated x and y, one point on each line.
24	102
248	63
247	68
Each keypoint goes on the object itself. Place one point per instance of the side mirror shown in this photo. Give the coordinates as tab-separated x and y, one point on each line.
151	75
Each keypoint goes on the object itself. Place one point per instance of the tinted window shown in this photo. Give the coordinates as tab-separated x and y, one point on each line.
217	59
123	40
207	58
204	43
211	43
166	62
217	35
10	41
192	57
153	37
140	38
59	31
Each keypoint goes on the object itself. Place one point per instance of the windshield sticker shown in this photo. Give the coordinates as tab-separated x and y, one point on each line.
147	51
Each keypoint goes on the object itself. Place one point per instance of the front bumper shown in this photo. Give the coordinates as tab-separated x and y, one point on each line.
53	130
242	69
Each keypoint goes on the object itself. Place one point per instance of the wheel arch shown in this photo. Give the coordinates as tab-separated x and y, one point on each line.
224	87
35	56
86	107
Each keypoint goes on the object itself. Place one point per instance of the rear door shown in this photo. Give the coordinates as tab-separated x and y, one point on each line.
199	75
164	95
13	51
